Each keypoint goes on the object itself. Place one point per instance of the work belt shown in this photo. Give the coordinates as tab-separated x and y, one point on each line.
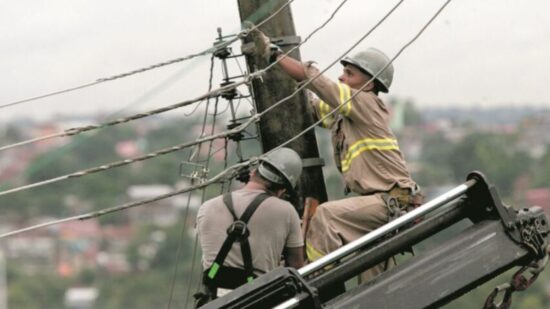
401	200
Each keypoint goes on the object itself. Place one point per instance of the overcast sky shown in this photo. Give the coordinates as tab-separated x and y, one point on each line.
477	53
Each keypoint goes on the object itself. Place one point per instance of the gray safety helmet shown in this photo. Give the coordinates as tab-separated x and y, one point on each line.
371	61
282	166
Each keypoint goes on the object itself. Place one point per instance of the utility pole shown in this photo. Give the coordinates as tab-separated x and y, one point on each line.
293	116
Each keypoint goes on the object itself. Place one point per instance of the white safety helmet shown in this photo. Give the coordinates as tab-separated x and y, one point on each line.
283	166
372	61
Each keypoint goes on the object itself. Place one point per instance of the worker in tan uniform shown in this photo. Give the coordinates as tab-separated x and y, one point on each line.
366	151
243	234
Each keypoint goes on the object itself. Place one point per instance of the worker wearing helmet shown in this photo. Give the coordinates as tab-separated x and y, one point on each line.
366	151
263	235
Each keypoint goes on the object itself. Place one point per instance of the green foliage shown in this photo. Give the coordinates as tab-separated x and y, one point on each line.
149	286
435	156
491	153
36	291
541	172
140	290
411	115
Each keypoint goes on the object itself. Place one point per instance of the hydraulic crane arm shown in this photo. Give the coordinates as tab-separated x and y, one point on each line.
498	239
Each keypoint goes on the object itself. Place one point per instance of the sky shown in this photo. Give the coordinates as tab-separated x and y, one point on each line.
476	54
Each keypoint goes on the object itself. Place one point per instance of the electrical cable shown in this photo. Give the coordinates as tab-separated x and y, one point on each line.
78	130
212	93
374	77
367	83
193	157
210	50
178	251
225	173
203	197
211	75
233	168
209	94
193	262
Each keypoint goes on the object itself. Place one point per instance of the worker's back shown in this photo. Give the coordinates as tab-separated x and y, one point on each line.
274	225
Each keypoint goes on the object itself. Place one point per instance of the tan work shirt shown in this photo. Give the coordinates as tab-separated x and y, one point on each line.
365	148
273	226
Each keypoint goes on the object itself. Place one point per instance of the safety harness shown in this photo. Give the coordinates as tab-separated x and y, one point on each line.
400	201
220	276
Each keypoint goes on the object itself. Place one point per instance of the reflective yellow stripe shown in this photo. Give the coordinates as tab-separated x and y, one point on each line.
345	95
312	253
363	145
324	109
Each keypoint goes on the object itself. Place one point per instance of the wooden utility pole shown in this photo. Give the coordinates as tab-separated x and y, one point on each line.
293	116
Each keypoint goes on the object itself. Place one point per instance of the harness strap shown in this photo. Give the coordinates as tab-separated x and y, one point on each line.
228	201
237	231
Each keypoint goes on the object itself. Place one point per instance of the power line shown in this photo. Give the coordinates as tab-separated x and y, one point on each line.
201	140
368	82
210	78
209	94
305	84
122	162
79	130
51	94
210	50
151	92
192	157
203	197
212	93
102	212
191	276
224	134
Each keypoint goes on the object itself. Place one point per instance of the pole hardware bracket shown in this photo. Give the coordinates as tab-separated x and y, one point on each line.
221	51
236	137
228	94
199	173
291	40
312	162
283	41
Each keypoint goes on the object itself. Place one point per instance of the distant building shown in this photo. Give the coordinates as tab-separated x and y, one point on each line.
79	243
539	197
81	298
34	252
162	213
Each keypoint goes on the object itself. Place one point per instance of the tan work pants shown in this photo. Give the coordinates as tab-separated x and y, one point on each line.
337	223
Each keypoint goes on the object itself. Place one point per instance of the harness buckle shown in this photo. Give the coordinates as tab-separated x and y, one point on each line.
239	229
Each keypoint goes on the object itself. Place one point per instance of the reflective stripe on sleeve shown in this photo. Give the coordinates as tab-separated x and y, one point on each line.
345	95
367	144
324	109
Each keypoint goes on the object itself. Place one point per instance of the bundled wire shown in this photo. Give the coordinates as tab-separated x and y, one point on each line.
210	50
78	130
233	170
225	173
209	94
336	109
192	157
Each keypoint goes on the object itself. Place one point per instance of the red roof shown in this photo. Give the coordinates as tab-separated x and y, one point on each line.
539	197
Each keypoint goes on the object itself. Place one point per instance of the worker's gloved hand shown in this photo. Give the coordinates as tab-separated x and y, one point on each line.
262	44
